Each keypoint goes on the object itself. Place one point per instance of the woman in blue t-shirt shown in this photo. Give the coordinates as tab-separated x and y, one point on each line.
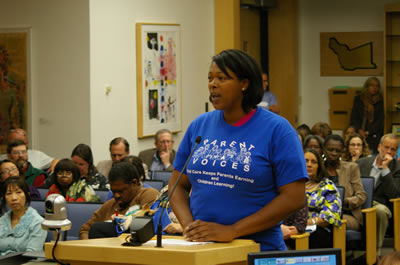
248	171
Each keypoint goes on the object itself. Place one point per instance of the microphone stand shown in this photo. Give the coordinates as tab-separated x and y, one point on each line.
159	226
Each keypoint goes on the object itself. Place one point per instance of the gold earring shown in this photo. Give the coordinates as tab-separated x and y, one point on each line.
243	88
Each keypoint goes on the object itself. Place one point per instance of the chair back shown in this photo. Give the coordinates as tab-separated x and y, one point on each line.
161	175
102	194
368	183
341	192
157	184
43	192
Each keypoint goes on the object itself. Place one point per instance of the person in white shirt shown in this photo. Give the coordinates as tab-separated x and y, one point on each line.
37	158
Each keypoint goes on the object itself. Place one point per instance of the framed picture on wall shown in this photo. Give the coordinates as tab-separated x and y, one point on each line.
158	71
14	62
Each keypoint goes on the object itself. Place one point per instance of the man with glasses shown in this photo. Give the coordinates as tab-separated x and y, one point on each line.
37	158
17	152
162	156
386	171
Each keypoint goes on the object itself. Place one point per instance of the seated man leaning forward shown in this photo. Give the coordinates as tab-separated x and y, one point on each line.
127	191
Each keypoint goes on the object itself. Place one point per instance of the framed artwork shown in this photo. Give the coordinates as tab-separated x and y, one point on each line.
351	53
158	65
14	57
396	129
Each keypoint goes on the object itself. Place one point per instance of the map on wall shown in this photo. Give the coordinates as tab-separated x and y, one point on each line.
351	53
13	82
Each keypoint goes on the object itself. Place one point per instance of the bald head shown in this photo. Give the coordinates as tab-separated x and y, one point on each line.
17	134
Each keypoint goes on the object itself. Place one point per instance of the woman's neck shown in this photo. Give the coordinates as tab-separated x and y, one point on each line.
16	215
332	164
232	117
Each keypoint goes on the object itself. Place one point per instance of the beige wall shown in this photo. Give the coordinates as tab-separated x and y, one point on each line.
113	57
80	46
59	92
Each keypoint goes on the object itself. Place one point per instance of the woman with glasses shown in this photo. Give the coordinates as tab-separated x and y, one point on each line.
356	148
8	169
347	175
70	185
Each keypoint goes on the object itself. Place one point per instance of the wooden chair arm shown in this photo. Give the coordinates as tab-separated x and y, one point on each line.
301	241
339	239
370	234
396	223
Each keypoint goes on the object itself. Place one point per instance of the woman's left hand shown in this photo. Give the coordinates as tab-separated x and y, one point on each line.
205	231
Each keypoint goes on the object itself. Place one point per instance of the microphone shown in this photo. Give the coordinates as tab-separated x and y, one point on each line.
159	226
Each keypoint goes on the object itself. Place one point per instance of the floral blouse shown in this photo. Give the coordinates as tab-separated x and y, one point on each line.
324	202
78	192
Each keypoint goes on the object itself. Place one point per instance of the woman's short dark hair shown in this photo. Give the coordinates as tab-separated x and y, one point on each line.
124	171
67	165
244	67
137	163
84	152
16	181
321	172
334	137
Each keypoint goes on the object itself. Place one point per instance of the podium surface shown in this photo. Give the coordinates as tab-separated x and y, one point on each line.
110	251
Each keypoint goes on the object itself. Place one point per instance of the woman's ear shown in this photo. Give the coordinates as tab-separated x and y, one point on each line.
244	84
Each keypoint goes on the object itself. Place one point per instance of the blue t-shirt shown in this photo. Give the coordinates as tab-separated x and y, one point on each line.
236	171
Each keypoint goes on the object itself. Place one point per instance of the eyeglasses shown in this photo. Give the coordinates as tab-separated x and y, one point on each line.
18	152
353	145
8	171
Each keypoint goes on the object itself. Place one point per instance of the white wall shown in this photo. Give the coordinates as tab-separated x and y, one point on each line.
317	16
59	96
113	62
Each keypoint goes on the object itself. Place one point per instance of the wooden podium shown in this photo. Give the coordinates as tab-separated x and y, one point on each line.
110	251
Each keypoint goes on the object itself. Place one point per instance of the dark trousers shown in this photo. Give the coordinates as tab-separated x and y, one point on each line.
321	238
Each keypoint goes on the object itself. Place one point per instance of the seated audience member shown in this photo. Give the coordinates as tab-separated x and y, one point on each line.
347	175
83	158
8	169
37	158
303	130
20	227
321	129
129	196
347	132
386	172
315	142
162	156
355	148
119	148
17	152
269	101
324	205
140	167
294	224
70	185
